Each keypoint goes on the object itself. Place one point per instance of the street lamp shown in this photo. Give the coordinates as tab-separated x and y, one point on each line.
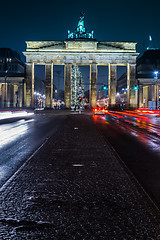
156	77
156	73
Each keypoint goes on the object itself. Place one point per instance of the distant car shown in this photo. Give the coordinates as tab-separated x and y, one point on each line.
99	110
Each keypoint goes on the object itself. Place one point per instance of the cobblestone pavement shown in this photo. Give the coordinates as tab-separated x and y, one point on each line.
75	187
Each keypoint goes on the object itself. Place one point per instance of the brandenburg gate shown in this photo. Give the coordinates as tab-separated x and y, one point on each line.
81	49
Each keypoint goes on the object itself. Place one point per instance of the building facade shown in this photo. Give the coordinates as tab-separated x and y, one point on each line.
148	77
81	48
80	52
12	85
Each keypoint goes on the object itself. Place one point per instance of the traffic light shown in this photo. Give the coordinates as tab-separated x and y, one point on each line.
104	87
80	99
135	87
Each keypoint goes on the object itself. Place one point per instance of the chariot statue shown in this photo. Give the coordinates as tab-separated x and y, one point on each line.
80	31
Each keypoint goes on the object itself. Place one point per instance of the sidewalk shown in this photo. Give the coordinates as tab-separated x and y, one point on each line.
74	187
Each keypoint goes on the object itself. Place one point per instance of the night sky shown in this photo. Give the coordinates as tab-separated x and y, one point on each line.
50	20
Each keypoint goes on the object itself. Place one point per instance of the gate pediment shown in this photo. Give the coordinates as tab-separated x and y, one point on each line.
117	46
80	46
45	45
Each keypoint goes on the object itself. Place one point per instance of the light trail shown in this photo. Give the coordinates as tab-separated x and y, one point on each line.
131	114
114	114
141	128
14	114
12	131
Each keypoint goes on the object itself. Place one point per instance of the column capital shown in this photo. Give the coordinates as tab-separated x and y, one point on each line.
131	64
113	64
69	64
48	63
30	63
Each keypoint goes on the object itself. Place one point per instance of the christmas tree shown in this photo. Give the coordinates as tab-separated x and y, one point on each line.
77	88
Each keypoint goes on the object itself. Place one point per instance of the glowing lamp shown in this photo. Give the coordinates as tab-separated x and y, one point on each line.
156	73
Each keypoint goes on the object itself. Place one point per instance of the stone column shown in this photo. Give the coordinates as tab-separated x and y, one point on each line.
29	85
67	84
128	85
24	93
4	95
132	96
8	94
93	85
15	95
153	98
20	95
112	71
140	93
145	96
158	97
149	93
49	85
11	95
157	94
0	95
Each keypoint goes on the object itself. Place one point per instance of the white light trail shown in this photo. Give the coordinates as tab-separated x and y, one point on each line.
13	114
12	131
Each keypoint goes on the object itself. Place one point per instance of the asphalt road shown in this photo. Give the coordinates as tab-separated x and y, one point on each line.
20	137
137	142
75	187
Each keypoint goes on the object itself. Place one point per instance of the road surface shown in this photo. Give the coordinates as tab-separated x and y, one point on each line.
136	141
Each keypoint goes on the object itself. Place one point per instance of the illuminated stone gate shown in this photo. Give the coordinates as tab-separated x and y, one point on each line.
81	49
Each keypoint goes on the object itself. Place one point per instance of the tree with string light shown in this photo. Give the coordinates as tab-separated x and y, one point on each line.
77	88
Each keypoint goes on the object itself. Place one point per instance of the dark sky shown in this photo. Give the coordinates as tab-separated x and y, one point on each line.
50	20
